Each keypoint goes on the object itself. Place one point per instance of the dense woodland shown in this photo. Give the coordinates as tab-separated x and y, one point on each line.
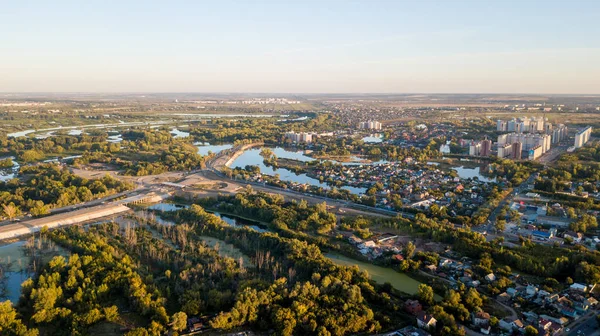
46	186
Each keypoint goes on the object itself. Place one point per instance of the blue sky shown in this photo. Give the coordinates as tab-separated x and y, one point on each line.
301	46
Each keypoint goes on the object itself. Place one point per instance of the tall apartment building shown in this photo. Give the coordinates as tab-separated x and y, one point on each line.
299	137
520	125
535	152
583	136
504	150
501	126
475	149
528	140
481	148
372	125
516	149
486	147
558	133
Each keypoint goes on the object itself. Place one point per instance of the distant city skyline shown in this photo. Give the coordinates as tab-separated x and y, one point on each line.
539	47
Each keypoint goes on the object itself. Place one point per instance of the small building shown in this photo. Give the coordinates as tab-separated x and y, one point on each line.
509	324
504	297
413	307
579	287
480	318
425	320
490	277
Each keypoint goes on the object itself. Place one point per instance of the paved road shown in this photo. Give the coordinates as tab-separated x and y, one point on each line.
585	326
79	206
516	191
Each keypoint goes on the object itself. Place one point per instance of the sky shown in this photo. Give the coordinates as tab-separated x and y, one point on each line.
301	46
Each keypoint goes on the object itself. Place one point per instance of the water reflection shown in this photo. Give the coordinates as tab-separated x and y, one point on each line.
178	134
16	262
7	174
465	173
373	138
205	148
230	220
252	157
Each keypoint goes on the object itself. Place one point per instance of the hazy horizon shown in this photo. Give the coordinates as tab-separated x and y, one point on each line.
309	47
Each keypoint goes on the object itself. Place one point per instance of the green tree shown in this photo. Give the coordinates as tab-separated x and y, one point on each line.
425	294
409	250
179	321
530	331
11	210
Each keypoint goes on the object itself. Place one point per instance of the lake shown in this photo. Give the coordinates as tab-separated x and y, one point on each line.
252	157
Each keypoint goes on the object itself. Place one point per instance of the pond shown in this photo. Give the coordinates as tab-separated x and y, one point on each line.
115	137
252	157
168	207
18	265
464	172
177	134
380	275
373	138
9	173
206	148
238	222
231	220
226	249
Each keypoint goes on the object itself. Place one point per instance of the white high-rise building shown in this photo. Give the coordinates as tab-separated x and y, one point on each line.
299	137
583	136
528	141
372	125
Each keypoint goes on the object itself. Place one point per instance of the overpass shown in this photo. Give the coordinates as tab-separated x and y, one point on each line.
79	216
55	221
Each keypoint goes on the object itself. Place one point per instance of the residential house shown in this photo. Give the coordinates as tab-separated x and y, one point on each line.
531	290
425	320
485	329
576	236
480	318
412	331
578	287
490	277
568	311
510	324
544	324
413	306
504	297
